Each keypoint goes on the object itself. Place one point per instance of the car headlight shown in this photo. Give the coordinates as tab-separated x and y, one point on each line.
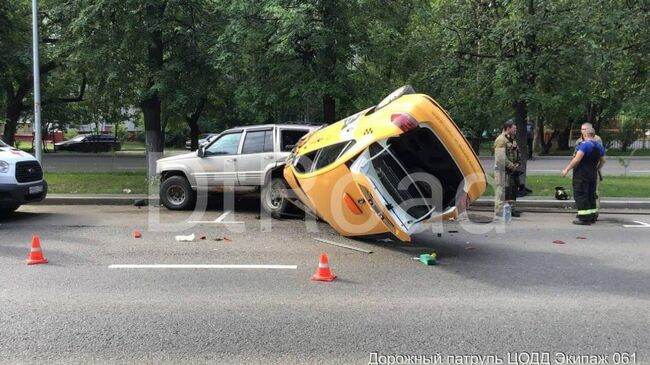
4	167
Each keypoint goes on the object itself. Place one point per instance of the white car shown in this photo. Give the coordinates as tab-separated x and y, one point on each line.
21	179
203	139
245	160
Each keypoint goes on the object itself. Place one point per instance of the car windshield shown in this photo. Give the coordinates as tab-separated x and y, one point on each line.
2	144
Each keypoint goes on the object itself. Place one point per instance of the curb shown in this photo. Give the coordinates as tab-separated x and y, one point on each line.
569	204
123	199
72	199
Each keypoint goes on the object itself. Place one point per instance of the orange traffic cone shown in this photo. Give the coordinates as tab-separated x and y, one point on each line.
36	255
323	273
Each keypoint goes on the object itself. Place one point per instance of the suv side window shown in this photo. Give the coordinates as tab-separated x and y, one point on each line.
225	145
289	138
258	141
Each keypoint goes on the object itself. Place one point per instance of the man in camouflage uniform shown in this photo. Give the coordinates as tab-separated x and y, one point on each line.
507	159
583	131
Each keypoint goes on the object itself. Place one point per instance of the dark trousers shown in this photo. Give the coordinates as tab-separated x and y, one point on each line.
512	187
584	192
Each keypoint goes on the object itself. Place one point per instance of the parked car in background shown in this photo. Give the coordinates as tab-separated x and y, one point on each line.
248	160
90	143
387	169
21	179
203	139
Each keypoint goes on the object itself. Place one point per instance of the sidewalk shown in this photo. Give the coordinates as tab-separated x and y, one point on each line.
526	202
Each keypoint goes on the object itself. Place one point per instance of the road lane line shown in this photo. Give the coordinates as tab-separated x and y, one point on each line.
201	266
640	225
219	220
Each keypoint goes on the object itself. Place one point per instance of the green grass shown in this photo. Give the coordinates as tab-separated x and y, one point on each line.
611	186
96	183
115	183
132	146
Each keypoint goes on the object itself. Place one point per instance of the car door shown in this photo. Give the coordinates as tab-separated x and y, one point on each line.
256	156
219	163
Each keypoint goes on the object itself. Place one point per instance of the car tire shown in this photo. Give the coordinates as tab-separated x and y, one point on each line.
177	194
8	210
273	197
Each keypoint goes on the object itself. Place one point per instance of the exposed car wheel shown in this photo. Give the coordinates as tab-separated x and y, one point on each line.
177	194
273	197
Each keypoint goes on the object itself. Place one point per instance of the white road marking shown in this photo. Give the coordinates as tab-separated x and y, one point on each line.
219	220
202	266
640	225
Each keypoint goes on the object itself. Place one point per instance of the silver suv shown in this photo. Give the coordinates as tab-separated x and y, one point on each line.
246	159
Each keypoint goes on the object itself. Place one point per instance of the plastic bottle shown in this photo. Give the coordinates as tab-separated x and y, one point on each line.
507	212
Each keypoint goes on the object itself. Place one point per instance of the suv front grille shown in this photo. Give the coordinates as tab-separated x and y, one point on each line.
28	171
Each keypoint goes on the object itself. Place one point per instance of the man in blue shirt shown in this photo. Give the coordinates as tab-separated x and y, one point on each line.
589	159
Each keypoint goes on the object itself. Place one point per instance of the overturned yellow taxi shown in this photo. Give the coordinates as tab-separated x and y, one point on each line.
387	170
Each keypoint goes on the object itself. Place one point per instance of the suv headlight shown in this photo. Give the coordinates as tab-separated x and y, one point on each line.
4	167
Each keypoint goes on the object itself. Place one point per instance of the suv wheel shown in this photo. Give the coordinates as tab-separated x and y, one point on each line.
274	197
177	194
8	210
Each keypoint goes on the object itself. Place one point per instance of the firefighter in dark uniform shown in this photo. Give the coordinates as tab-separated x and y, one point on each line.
506	177
583	130
589	159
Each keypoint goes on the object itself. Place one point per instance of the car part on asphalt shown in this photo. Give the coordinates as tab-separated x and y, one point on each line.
342	245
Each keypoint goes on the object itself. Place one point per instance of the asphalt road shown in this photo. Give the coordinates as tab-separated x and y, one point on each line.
492	293
108	163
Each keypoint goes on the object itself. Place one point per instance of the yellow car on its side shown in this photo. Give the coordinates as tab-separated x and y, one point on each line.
386	170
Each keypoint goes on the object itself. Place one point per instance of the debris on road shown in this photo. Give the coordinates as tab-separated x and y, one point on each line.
453	231
581	238
137	234
188	238
559	242
343	245
429	259
224	238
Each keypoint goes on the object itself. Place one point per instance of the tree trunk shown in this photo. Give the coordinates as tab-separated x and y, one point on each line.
475	141
563	138
521	119
538	139
193	122
151	104
329	109
12	115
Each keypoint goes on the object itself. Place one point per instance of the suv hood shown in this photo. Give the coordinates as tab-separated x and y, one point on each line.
13	155
184	156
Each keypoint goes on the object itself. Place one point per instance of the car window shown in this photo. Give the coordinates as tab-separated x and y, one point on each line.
329	154
303	163
2	144
290	137
225	145
268	141
253	142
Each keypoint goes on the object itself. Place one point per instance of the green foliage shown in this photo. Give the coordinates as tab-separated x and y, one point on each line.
225	63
